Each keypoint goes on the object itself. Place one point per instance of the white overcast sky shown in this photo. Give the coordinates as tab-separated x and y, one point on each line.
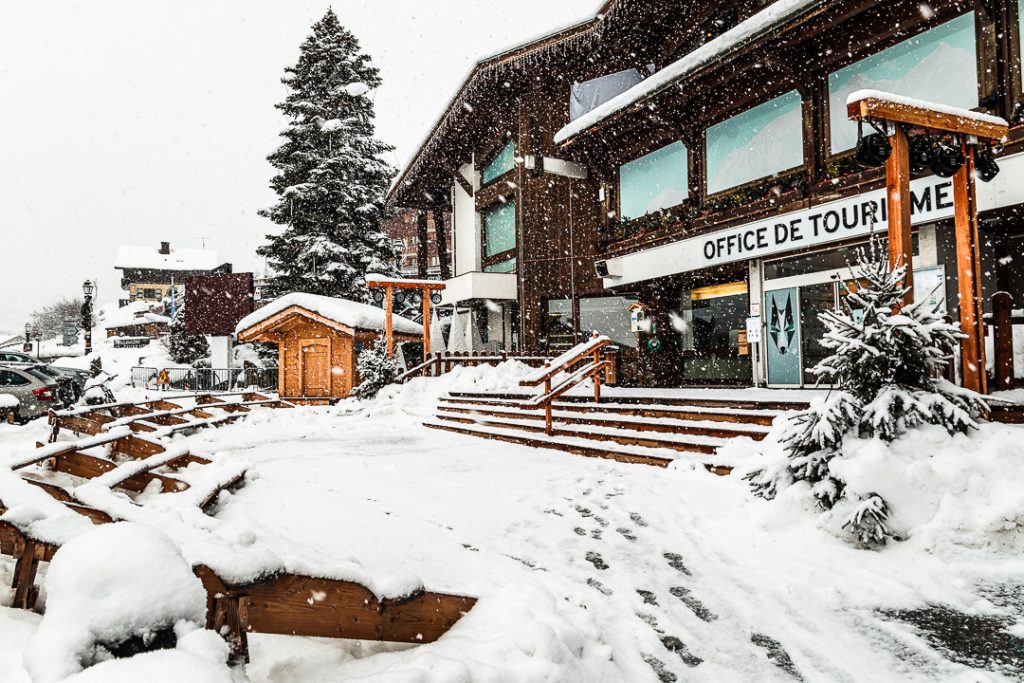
136	121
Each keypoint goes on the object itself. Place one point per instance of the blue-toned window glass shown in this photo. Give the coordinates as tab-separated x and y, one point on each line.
759	142
508	266
654	181
499	229
501	164
939	65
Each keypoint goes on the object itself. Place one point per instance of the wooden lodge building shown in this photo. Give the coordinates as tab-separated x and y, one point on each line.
697	158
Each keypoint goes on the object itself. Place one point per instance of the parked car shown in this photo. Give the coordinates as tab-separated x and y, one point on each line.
36	393
79	377
68	388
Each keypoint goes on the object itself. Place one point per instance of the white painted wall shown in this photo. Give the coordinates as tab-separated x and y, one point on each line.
220	351
466	228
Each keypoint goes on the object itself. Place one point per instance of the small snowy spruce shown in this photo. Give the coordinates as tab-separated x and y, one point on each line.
185	348
331	180
885	360
376	370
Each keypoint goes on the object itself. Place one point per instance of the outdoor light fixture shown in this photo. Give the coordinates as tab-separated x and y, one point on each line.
985	166
435	298
28	331
947	160
921	153
872	150
88	288
378	296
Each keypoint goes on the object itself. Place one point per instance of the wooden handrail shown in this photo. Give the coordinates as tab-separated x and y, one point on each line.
566	360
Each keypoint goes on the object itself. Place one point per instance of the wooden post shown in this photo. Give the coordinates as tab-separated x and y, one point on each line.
597	376
968	264
388	322
422	253
426	324
548	429
897	176
1002	342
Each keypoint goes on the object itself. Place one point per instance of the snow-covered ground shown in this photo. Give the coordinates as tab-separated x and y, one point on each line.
586	570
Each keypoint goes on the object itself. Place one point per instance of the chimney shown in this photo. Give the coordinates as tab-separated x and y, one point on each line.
165	248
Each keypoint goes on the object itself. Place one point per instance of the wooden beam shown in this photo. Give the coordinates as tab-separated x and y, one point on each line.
462	182
441	236
1002	335
422	244
883	110
968	263
897	174
389	323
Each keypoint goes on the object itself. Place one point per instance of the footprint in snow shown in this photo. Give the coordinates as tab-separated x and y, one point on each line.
595	533
693	603
470	548
777	654
601	520
676	562
651	621
584	512
664	675
626	534
673	644
580	531
594	583
637	519
596	560
648	596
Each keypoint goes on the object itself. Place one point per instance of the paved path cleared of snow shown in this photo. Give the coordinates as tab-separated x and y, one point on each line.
586	570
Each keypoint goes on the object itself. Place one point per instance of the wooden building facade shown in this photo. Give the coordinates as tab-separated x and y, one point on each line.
696	158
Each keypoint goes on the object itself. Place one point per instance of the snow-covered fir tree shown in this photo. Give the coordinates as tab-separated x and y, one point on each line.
376	370
331	180
186	349
885	362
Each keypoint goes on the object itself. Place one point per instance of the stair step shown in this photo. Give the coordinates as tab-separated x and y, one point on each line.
712	428
577	446
627	437
685	401
748	416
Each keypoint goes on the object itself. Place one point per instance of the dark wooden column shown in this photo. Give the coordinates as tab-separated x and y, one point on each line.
421	244
1002	336
441	236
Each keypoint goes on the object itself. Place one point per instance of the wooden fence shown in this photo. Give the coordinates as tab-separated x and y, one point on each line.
441	363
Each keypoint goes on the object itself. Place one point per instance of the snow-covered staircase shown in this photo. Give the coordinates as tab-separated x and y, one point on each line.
652	430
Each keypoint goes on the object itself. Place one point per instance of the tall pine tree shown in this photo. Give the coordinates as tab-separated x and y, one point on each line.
331	179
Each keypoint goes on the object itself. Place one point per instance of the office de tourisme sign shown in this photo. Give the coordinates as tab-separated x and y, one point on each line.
931	200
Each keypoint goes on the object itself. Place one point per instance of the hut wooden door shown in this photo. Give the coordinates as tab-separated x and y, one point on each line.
315	367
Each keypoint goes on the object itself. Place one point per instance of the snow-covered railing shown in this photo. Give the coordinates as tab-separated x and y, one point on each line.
441	363
592	351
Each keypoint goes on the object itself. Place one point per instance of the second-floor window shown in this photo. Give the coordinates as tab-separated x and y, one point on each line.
760	142
501	164
653	182
499	238
939	65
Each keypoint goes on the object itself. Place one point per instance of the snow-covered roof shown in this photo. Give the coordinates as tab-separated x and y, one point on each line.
130	256
745	31
893	98
135	313
349	313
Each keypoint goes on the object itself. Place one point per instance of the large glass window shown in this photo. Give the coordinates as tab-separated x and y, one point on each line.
939	65
608	315
713	333
499	229
654	181
504	162
759	142
507	266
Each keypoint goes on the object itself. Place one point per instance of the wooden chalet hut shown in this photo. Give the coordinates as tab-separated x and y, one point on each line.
319	339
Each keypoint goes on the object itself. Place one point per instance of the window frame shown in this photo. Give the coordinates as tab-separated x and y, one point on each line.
639	154
501	256
491	157
777	175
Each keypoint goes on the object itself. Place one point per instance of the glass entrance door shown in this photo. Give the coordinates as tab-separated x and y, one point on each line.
793	331
782	329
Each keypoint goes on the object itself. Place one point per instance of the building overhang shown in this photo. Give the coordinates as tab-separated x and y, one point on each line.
817	225
478	285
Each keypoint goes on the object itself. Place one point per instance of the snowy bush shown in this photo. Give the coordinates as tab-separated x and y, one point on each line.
885	359
376	370
116	590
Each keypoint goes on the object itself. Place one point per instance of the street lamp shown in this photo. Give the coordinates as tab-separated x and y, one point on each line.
87	289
